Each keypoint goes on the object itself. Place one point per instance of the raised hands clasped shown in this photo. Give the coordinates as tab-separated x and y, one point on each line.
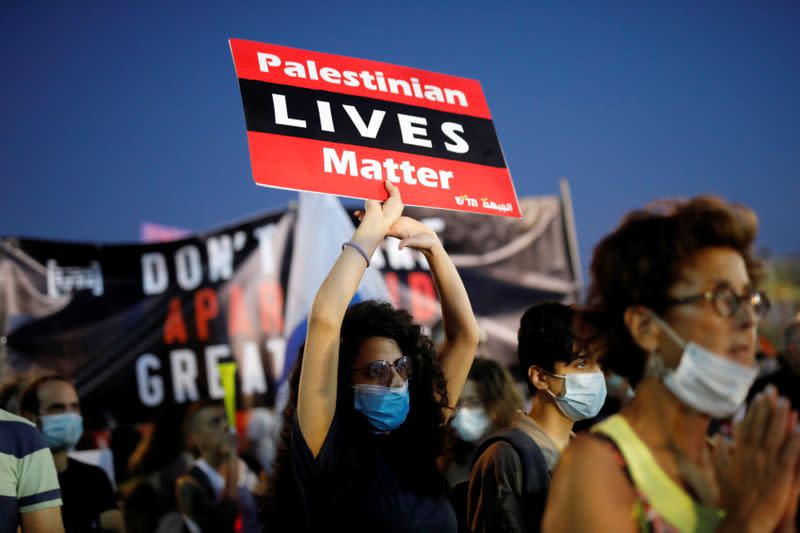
759	474
411	232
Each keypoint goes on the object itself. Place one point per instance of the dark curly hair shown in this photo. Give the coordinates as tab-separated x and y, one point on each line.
645	256
421	437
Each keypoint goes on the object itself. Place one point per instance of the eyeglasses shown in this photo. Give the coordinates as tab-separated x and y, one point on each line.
726	302
381	372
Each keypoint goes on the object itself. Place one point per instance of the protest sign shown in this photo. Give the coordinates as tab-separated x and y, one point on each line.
339	125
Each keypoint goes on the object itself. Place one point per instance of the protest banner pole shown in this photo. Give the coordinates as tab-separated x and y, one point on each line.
572	237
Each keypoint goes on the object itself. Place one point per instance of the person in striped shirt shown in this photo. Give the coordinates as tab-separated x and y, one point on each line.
30	497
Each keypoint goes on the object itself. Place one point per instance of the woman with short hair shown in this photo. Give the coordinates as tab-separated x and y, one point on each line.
673	293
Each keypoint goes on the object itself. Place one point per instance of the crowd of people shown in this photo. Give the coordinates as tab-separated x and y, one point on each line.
641	409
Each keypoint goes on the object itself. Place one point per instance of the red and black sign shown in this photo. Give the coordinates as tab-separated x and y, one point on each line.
339	125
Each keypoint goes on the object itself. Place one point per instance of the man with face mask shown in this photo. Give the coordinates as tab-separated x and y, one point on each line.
511	475
51	402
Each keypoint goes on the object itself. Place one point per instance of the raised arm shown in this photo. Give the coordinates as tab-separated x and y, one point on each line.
462	333
316	400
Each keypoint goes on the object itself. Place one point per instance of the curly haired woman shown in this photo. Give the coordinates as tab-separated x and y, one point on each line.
370	397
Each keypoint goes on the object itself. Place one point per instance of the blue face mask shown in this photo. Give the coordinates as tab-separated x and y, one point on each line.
386	408
584	395
62	431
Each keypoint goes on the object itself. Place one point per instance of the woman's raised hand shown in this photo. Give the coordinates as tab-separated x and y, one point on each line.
383	214
411	232
414	234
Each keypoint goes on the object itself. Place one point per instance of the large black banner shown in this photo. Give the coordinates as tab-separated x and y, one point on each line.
140	327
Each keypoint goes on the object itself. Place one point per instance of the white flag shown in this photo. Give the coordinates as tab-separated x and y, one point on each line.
322	225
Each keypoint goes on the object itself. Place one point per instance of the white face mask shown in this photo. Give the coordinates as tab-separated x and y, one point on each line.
704	380
584	395
471	423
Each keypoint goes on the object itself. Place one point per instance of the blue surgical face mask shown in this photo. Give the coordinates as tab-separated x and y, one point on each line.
62	431
385	408
585	393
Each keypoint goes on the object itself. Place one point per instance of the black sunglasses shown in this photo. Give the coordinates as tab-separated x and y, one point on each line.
726	302
381	370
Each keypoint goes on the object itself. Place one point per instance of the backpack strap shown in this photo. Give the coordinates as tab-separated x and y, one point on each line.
202	479
534	465
459	495
535	480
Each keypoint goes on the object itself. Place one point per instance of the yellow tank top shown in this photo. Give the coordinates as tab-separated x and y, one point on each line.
665	499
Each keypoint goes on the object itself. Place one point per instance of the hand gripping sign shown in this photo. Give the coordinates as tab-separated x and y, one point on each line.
339	125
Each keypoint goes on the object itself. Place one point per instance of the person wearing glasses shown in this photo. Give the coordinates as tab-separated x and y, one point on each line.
673	293
369	397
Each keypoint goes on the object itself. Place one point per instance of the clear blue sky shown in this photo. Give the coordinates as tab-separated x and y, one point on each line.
116	115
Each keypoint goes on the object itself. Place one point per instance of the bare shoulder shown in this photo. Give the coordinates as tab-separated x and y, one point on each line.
590	472
589	452
589	463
